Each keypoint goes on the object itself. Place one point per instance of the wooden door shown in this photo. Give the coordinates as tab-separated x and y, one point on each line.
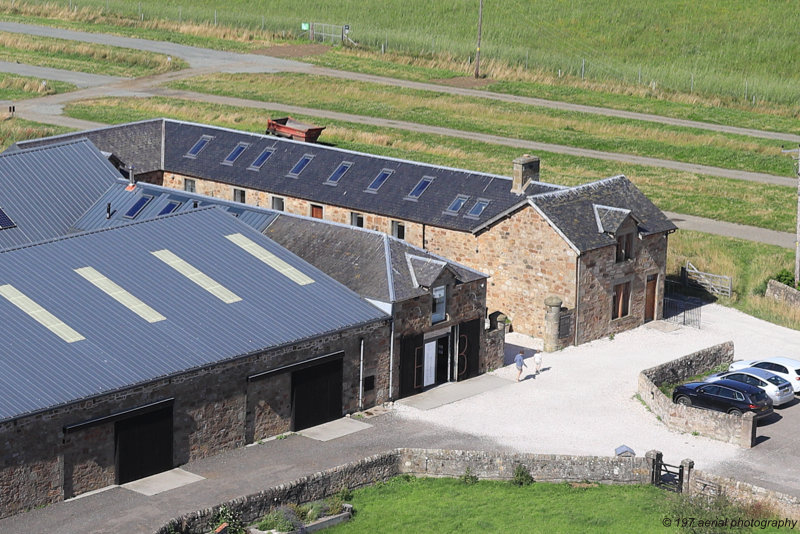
650	298
143	445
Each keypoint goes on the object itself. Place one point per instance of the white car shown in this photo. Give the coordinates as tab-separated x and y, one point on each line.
783	367
777	388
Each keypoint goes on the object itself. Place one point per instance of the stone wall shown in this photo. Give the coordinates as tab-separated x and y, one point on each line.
738	430
783	293
40	463
493	350
783	505
422	462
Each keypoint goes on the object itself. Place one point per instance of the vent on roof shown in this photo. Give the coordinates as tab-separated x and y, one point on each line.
171	206
5	221
300	165
198	146
235	153
261	159
379	180
137	208
478	208
456	205
420	188
334	178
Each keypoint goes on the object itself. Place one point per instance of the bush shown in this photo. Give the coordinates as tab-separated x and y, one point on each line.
704	506
468	477
784	276
226	515
522	477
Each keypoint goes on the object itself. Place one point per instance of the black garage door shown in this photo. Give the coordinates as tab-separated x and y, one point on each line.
144	445
317	394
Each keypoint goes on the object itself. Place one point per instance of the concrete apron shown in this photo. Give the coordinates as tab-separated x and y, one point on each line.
454	391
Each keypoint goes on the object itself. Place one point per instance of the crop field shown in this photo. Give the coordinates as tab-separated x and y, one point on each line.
735	49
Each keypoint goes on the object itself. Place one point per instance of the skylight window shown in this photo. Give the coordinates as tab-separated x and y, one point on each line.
334	178
261	159
235	153
478	208
456	205
5	221
198	146
137	208
378	181
300	165
171	206
420	188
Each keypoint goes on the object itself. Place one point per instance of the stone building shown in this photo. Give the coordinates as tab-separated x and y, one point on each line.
134	349
600	247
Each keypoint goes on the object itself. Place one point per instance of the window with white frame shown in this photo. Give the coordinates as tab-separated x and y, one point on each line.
278	204
238	195
398	230
438	313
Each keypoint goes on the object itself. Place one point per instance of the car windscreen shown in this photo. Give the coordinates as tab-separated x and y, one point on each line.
758	397
778	381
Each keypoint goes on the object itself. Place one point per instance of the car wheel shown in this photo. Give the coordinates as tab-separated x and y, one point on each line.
684	401
734	411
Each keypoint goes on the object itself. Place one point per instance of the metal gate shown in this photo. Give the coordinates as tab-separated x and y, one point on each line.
668	477
679	308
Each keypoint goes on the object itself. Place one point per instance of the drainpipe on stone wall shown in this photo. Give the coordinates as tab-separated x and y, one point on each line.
361	378
391	359
577	295
424	245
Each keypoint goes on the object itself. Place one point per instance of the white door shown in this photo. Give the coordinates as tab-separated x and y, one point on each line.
429	372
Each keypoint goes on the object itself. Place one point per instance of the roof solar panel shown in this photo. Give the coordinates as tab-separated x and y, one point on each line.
137	208
5	221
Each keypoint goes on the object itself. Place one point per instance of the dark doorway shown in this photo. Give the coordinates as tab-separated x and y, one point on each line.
144	445
442	357
468	349
650	298
317	394
411	365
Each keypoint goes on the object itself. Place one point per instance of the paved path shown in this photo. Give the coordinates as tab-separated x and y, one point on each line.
751	233
79	79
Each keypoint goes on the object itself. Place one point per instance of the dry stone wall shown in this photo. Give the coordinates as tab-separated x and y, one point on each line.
783	293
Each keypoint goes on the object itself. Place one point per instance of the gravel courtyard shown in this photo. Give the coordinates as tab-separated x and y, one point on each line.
583	402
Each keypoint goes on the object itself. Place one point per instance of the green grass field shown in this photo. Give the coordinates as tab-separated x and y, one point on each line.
733	49
13	130
13	87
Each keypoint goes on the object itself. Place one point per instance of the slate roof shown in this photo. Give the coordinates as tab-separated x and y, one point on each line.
117	348
573	212
44	190
373	264
138	147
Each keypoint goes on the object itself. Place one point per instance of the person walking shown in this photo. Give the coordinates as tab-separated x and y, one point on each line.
537	359
519	360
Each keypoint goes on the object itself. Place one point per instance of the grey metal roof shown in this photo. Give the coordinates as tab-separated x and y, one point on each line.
572	211
40	370
44	190
372	264
123	198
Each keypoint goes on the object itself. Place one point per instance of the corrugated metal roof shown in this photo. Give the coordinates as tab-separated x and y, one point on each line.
44	190
40	370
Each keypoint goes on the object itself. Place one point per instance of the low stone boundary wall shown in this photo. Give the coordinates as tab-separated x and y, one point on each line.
738	430
422	462
781	504
783	293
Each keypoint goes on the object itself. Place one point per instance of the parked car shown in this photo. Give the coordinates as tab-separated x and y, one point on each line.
783	367
777	388
724	395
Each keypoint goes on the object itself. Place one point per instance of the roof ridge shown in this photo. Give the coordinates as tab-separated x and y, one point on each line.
75	141
588	185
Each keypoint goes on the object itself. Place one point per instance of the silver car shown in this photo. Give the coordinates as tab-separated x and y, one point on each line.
777	388
786	368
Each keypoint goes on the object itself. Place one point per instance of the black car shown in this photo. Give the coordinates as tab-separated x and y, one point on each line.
727	396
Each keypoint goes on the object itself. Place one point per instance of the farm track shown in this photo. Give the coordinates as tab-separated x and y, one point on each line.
203	61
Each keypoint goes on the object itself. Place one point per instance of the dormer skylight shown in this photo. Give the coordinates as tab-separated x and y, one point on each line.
198	146
378	181
300	165
235	153
261	159
478	208
5	221
456	205
137	208
420	188
334	178
171	206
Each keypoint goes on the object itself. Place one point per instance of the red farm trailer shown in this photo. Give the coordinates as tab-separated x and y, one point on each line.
288	127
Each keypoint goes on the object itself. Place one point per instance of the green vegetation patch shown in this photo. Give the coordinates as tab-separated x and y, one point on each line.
83	57
13	87
506	119
13	130
749	203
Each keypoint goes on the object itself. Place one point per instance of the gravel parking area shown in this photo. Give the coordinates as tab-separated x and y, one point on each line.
583	401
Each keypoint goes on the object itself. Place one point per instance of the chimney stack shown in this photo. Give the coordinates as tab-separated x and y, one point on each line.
525	170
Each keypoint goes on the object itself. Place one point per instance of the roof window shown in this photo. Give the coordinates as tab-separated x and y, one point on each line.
478	208
378	181
261	159
235	153
456	205
137	208
300	165
334	178
198	146
171	206
5	221
420	188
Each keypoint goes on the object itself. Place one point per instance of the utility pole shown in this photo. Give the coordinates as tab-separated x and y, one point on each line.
478	51
797	235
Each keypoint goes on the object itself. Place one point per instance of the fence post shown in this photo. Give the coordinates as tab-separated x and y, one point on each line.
654	458
684	277
687	466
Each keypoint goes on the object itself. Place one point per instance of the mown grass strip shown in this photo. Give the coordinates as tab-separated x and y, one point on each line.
749	203
13	130
83	57
13	87
506	119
